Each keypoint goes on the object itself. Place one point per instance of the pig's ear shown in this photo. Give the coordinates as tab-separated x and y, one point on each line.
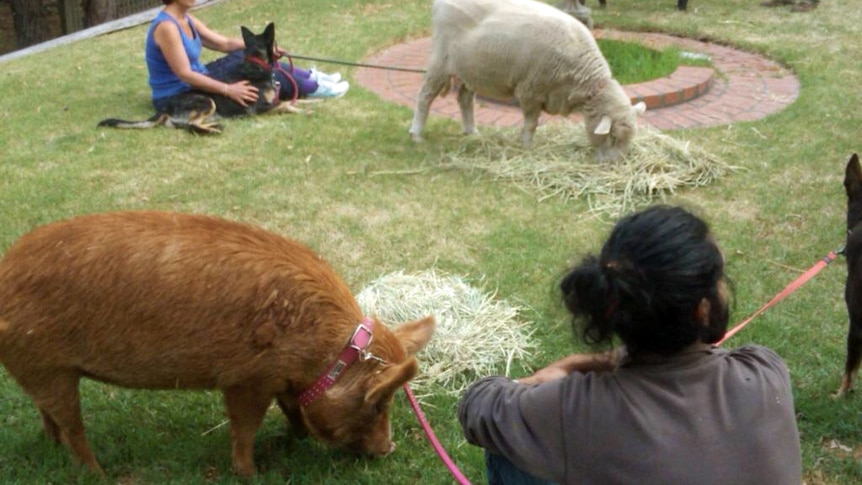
414	336
390	380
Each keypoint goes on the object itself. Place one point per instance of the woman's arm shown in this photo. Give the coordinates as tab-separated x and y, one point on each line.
522	423
167	37
216	41
600	362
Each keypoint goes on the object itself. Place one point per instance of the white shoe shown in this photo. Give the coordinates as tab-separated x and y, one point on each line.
322	76
330	90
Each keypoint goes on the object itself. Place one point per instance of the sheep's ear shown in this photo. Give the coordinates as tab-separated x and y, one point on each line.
639	108
604	126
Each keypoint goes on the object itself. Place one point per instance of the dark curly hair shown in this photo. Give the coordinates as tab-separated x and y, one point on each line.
648	283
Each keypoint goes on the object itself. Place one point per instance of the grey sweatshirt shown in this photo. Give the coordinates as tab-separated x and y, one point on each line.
703	417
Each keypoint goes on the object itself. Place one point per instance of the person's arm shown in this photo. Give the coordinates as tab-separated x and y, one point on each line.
167	37
522	423
599	362
216	41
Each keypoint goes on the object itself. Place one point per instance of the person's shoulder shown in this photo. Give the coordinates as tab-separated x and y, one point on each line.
166	28
194	21
753	353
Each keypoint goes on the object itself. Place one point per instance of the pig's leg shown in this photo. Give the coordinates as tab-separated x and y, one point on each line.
294	417
60	405
246	408
51	428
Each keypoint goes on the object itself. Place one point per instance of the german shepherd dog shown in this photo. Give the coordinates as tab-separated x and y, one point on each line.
198	111
853	286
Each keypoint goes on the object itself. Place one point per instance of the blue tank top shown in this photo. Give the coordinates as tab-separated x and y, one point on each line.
162	79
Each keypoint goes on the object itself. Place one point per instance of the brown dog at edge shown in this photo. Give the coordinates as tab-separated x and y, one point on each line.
853	287
159	300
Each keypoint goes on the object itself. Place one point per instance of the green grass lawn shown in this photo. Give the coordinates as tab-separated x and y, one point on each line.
634	63
348	182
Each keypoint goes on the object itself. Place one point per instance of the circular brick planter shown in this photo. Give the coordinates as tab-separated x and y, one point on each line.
741	87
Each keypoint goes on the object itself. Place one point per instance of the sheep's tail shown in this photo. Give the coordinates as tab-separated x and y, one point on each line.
155	120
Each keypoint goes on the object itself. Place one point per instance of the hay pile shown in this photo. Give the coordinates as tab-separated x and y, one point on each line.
476	333
561	163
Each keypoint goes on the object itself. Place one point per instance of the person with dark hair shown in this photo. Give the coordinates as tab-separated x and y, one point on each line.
173	49
666	407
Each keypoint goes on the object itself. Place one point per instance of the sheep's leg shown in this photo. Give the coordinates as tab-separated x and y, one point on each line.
465	102
531	113
435	83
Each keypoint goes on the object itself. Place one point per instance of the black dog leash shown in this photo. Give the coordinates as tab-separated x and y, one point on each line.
358	64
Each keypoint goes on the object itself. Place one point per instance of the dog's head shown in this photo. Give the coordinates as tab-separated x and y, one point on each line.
259	54
259	61
260	46
853	187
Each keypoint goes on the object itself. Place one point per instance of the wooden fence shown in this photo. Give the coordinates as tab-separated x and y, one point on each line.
63	17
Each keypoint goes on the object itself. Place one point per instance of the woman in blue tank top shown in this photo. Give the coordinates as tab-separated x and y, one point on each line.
173	49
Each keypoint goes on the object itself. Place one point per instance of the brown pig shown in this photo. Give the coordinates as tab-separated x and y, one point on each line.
159	300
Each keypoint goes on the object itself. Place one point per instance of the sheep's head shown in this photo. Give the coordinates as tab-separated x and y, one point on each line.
611	123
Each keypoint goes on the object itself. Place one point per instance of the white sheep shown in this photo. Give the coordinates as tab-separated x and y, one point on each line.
533	52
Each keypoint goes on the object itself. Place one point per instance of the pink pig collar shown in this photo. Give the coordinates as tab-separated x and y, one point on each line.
356	348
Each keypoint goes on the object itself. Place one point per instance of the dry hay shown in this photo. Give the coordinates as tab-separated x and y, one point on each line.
561	163
476	333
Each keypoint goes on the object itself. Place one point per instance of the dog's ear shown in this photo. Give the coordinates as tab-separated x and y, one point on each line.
269	34
247	36
853	178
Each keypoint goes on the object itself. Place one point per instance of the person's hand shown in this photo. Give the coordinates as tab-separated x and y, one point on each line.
242	92
599	362
279	52
550	373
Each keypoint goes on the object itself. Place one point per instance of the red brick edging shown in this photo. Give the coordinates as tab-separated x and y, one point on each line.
742	87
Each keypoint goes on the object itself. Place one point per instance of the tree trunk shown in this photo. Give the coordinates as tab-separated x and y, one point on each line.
34	21
98	11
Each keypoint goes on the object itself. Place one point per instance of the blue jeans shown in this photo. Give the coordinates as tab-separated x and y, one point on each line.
501	471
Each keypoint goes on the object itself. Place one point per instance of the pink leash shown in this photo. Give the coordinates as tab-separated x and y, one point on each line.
453	468
289	75
793	286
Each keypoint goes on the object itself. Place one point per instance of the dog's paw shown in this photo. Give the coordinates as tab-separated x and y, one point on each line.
842	391
205	128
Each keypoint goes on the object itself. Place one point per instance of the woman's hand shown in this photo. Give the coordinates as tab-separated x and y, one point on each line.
600	362
549	373
242	92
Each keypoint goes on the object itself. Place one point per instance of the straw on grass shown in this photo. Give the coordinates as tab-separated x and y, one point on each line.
476	333
561	163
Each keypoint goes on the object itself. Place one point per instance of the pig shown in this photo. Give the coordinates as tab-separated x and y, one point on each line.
162	300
